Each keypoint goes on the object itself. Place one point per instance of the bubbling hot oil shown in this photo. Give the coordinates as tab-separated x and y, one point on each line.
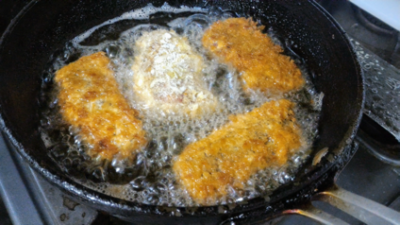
150	179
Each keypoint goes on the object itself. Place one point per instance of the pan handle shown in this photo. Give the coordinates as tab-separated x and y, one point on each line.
359	207
363	209
307	210
315	214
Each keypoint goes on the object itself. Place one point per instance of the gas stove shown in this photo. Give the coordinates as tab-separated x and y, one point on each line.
373	172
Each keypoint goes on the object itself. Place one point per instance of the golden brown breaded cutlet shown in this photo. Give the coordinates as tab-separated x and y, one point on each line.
238	41
228	157
91	102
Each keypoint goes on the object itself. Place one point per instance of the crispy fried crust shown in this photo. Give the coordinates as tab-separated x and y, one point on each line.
238	41
264	137
90	101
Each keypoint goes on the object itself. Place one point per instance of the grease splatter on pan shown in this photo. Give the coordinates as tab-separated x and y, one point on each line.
148	177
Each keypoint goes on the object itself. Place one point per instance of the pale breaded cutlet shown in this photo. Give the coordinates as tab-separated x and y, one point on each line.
168	77
265	137
239	42
91	102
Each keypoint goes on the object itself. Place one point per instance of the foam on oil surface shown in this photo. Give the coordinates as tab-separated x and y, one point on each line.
149	179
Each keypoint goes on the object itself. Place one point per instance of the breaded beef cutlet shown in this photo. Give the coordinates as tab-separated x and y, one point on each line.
91	102
240	42
168	76
265	137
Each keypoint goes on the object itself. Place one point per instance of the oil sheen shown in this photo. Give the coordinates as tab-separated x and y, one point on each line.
149	179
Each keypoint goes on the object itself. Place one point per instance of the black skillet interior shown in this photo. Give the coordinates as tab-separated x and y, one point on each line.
304	27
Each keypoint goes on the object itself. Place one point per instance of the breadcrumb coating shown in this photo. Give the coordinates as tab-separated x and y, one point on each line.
228	157
238	41
91	102
168	76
